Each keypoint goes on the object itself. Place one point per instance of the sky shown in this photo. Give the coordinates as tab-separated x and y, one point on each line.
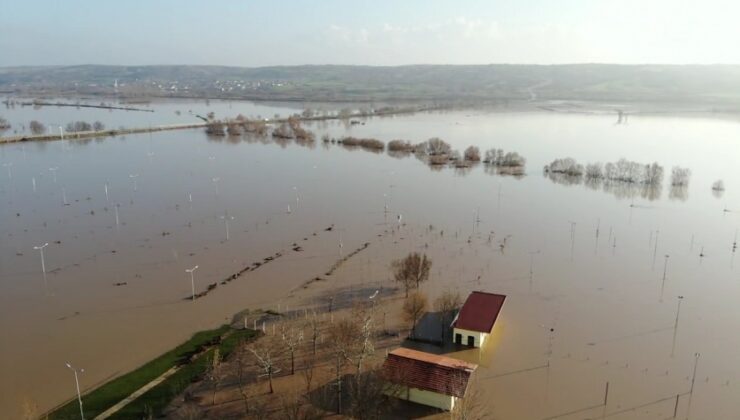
262	33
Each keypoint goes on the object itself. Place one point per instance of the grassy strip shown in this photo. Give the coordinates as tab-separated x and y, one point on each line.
154	401
100	399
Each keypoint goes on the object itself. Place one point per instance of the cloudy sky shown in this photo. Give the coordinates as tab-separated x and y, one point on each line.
259	33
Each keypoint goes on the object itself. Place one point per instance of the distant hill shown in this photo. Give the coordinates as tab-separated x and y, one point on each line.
689	83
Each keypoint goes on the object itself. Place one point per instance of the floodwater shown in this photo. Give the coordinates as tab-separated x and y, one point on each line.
583	268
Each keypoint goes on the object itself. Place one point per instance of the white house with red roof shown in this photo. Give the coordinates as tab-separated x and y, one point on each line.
474	323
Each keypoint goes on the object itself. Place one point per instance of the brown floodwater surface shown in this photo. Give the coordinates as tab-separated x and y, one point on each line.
583	268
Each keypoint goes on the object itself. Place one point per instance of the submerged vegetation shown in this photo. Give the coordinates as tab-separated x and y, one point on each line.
623	178
81	126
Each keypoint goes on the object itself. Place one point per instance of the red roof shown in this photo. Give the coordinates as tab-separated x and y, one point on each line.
479	312
430	372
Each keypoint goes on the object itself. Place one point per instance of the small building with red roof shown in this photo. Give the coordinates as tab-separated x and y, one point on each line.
429	379
476	318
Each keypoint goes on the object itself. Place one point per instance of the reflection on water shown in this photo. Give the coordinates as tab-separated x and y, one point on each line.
619	189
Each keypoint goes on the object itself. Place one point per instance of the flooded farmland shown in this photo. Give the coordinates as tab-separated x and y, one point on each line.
593	276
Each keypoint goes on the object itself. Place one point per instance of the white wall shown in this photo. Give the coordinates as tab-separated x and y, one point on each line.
479	337
431	399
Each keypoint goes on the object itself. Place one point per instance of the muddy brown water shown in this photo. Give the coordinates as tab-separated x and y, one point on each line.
612	316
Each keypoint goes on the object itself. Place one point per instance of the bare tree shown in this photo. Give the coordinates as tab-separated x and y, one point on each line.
292	336
266	352
242	369
369	393
292	407
414	308
437	146
365	347
680	176
412	270
98	126
472	154
214	373
314	328
469	407
309	366
446	304
343	339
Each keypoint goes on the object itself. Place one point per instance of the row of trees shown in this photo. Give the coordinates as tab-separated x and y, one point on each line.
80	126
342	346
622	170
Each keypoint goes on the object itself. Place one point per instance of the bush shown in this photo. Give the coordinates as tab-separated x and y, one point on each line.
680	176
437	146
36	127
472	154
400	146
78	126
567	166
215	128
283	132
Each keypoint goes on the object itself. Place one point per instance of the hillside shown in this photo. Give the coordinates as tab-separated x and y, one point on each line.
705	84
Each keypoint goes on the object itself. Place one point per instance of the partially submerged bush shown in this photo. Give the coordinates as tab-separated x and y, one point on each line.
437	146
369	144
680	176
234	128
78	126
497	157
567	166
718	185
400	146
36	127
215	128
472	154
283	132
438	160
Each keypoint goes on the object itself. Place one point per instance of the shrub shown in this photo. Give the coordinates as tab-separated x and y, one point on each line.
400	146
36	127
472	154
680	176
437	146
77	126
215	128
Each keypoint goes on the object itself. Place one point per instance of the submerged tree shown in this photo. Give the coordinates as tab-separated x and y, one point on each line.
446	305
414	308
472	154
680	176
412	270
36	127
436	146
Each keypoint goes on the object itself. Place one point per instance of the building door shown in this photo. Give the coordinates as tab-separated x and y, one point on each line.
458	338
471	341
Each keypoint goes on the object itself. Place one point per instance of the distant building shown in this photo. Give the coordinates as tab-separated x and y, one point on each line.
475	320
428	379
